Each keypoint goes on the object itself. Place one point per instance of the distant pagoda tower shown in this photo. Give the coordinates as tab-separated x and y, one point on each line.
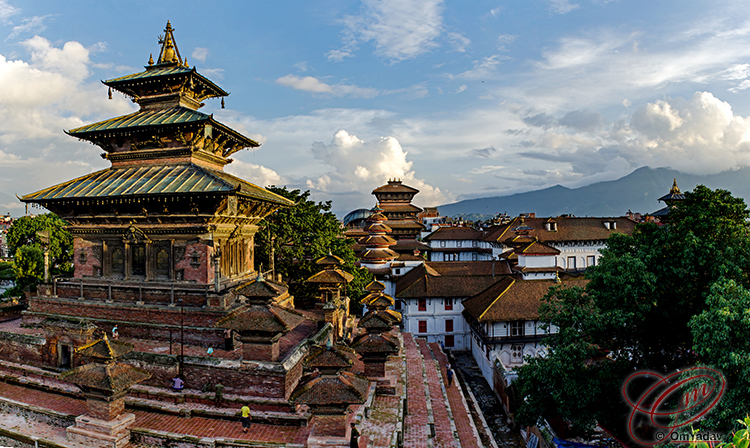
395	199
377	244
672	199
164	225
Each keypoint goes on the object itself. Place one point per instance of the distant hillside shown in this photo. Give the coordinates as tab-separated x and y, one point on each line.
639	191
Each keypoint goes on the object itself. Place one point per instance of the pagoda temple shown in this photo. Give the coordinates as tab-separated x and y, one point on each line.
164	238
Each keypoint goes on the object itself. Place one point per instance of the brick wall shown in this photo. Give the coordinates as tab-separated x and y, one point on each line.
22	349
92	266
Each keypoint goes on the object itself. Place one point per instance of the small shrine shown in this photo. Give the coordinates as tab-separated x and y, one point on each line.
376	344
104	383
330	391
330	282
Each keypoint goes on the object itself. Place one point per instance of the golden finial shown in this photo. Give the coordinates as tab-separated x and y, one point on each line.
675	189
109	93
169	52
186	64
222	103
151	59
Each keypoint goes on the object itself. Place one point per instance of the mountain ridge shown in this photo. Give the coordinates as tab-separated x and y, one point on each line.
638	191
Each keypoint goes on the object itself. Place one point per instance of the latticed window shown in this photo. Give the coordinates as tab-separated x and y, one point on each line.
118	261
516	328
162	262
422	326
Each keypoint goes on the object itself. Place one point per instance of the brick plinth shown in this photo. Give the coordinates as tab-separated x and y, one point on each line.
100	433
374	368
105	408
260	349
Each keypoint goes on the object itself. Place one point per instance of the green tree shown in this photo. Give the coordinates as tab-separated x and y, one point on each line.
24	232
28	265
302	234
640	300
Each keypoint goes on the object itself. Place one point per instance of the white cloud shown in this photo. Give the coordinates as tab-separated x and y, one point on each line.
33	24
314	85
339	55
257	174
461	88
400	29
301	66
562	6
200	54
459	42
356	167
486	169
7	10
483	68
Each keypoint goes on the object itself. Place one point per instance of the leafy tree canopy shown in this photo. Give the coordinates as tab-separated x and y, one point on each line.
24	232
302	234
654	301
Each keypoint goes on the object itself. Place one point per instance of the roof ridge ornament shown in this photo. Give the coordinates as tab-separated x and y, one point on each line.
169	53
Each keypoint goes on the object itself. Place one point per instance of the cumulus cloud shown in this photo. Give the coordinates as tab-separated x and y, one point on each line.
200	54
582	120
257	174
314	85
40	97
356	167
399	29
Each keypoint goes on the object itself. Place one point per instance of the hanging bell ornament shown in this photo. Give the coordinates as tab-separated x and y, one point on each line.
109	93
222	103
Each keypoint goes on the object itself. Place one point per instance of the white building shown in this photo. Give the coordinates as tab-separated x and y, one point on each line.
458	244
430	298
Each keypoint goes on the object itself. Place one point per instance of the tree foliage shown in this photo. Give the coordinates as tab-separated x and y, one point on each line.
24	232
302	234
652	303
28	265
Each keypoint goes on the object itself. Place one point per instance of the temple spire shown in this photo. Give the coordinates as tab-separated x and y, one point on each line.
169	53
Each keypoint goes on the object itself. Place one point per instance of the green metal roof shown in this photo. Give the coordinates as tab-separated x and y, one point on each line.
152	180
154	72
144	118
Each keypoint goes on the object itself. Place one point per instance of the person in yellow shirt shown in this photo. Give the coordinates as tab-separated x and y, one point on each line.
245	418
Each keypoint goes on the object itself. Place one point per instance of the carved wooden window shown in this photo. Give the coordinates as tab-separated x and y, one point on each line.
138	252
118	261
162	262
449	325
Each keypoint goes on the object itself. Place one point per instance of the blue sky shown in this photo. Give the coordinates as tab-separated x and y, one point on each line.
458	99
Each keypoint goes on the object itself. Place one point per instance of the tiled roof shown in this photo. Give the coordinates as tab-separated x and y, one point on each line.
409	257
109	378
399	207
379	319
333	357
449	279
395	187
376	240
261	290
324	390
375	286
405	224
377	227
410	245
509	299
568	229
105	349
537	248
267	319
377	254
455	233
329	260
331	276
144	180
375	343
